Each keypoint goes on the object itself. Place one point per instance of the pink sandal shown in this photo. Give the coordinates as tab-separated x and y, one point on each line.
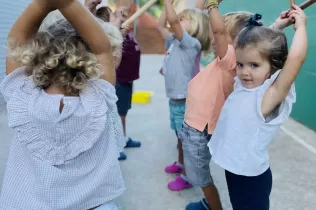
173	169
179	184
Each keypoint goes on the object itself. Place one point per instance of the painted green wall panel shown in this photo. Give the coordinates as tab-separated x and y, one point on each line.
305	108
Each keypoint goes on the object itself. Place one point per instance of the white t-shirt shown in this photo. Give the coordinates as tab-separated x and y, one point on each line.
240	141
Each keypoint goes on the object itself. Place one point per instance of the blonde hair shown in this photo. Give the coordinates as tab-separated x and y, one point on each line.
199	26
235	22
57	55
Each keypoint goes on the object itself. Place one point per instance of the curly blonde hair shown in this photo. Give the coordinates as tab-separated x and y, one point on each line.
57	55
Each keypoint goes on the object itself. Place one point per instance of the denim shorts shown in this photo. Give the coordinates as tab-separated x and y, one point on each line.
197	156
177	111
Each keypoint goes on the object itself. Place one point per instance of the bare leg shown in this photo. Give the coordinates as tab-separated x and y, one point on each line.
212	197
123	119
180	157
180	154
129	142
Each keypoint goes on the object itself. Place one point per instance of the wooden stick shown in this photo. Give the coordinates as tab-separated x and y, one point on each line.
138	13
291	3
307	4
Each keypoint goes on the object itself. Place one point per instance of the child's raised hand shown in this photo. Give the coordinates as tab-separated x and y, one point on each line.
121	13
92	4
282	21
297	16
124	30
119	16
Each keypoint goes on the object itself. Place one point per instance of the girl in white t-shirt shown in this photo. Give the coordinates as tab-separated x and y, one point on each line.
261	101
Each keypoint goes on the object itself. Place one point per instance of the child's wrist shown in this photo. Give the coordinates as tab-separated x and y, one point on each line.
210	4
275	26
301	27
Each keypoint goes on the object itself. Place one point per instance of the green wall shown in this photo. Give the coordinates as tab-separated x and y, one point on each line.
304	110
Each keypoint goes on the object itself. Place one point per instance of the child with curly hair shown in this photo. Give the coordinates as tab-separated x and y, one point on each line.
61	104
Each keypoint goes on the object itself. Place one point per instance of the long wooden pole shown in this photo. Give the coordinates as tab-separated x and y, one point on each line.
307	4
139	12
304	5
291	3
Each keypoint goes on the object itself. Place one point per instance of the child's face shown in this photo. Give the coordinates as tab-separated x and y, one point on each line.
185	23
252	68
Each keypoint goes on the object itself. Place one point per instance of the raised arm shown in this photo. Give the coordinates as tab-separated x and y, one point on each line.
173	20
92	5
218	29
117	19
26	27
282	21
91	31
297	53
199	4
119	16
296	57
161	25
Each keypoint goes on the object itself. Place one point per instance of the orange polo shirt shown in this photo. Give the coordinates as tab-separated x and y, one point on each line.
207	92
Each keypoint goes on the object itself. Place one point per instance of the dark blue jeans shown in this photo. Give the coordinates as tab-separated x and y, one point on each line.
249	193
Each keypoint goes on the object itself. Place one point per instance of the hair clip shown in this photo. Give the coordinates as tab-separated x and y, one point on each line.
253	21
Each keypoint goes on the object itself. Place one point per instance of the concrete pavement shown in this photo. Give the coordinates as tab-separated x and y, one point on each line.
292	154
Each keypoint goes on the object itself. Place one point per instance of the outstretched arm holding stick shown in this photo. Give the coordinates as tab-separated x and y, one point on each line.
284	21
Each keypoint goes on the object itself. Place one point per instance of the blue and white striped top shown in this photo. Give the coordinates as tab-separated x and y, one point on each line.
61	161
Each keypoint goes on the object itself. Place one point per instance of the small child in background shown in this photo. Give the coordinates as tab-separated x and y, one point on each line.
179	6
61	105
127	71
190	37
262	100
126	74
